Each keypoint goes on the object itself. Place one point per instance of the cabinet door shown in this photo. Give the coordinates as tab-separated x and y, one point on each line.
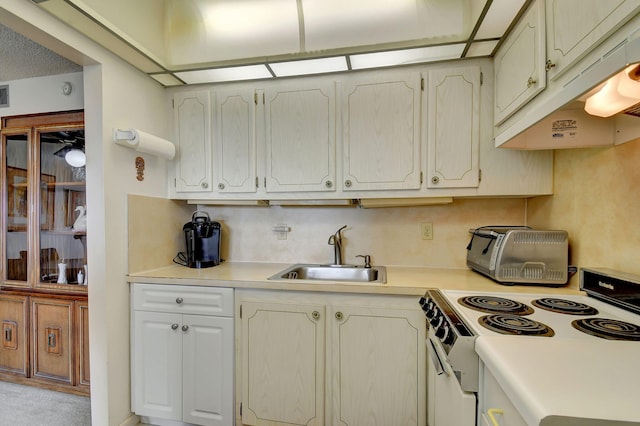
282	364
157	364
235	141
378	367
52	350
453	128
13	351
207	397
495	405
192	133
381	133
574	27
300	138
519	64
82	338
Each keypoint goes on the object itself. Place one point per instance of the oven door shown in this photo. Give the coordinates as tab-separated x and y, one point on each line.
447	403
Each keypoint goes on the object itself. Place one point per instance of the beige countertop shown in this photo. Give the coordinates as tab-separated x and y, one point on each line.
400	280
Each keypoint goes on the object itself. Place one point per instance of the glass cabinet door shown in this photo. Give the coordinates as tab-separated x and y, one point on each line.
63	208
16	202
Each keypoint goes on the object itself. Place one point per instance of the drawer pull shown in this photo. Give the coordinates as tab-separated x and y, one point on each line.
174	326
179	300
185	327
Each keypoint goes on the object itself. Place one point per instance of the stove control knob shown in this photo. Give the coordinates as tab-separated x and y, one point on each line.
423	302
431	310
442	331
448	337
437	320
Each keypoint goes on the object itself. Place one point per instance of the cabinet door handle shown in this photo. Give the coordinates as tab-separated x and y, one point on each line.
492	412
531	82
548	65
179	300
51	340
174	326
315	315
185	327
339	316
7	335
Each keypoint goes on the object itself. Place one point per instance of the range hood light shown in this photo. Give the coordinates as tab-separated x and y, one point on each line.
620	92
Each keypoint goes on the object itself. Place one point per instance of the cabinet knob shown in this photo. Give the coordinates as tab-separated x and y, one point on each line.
205	185
315	315
221	186
174	326
185	327
347	183
530	82
548	65
179	300
435	179
339	316
328	184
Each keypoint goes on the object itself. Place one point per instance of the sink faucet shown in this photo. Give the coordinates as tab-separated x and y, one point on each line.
336	241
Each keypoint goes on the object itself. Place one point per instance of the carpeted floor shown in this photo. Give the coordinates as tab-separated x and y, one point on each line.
29	406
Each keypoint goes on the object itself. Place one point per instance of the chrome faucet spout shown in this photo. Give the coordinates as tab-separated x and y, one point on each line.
336	241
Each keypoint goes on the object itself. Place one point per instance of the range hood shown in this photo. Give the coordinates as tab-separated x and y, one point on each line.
537	128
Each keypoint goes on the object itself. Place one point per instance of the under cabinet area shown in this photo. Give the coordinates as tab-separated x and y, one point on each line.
182	347
316	359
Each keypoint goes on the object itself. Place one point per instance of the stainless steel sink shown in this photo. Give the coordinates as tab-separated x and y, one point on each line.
349	273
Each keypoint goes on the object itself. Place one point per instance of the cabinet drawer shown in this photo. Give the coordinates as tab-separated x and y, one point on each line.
216	301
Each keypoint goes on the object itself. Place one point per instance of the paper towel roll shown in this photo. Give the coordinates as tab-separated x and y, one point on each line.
144	142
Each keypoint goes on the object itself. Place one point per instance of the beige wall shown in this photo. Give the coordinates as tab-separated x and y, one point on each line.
392	236
597	200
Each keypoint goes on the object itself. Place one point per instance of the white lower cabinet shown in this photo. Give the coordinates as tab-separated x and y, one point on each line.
182	353
318	359
494	406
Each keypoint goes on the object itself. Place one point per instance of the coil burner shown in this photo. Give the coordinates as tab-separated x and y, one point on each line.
564	306
516	325
495	305
606	328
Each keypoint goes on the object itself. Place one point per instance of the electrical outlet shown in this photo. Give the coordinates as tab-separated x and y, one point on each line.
427	231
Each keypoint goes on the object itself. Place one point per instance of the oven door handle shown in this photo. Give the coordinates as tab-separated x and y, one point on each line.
436	360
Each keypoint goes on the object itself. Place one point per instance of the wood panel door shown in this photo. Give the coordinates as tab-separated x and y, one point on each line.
377	366
14	348
381	133
82	338
283	352
51	339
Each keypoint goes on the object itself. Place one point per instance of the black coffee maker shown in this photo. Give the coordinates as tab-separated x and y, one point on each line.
203	241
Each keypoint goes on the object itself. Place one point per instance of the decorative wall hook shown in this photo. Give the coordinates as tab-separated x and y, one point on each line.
140	168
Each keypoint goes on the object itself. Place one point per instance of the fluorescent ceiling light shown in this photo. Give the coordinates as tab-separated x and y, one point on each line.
620	92
498	18
250	72
406	56
309	66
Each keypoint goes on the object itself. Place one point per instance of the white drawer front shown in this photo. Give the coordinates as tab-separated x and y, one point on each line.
197	300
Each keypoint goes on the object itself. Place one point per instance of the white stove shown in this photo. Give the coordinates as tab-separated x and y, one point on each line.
553	368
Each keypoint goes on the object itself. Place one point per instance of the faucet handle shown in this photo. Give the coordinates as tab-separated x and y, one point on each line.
367	260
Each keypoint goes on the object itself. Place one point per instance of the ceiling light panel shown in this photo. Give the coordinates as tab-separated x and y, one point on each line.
331	24
406	56
166	79
217	75
483	48
498	18
310	66
203	31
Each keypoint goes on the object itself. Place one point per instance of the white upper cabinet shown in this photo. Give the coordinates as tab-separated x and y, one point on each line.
520	64
300	140
192	134
381	132
574	27
453	127
235	141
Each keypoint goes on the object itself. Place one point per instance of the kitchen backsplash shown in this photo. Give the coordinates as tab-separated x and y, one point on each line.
597	200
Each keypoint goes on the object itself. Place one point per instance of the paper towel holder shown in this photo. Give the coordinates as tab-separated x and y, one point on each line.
131	139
